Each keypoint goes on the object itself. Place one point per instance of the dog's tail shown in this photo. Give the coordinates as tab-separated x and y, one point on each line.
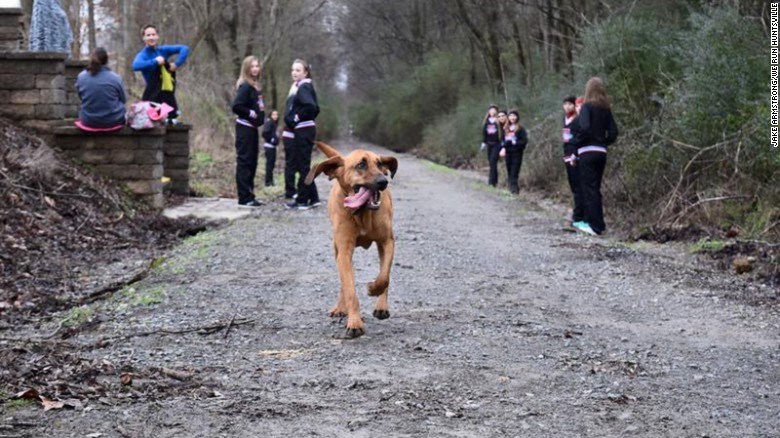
326	149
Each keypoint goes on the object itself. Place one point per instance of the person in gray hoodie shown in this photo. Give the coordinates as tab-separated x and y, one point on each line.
102	93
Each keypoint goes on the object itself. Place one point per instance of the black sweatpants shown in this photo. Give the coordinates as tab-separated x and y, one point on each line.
514	161
573	175
492	153
591	165
289	167
303	143
247	149
270	162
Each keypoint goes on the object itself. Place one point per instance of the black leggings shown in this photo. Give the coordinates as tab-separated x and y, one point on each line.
270	162
573	175
514	161
591	165
492	152
289	168
303	144
247	145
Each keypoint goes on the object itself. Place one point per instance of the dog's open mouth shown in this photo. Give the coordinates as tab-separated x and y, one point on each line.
363	197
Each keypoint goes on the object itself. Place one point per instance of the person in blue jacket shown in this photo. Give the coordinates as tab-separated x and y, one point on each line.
159	73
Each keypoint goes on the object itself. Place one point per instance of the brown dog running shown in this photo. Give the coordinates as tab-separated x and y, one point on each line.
361	213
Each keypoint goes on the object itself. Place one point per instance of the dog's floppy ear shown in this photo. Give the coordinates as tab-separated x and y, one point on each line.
326	149
391	163
329	167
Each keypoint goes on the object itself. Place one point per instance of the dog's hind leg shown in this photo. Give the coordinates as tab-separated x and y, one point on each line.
379	286
347	295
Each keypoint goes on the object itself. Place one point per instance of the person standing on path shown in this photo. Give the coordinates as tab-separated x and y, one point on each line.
515	140
270	142
300	112
597	130
248	106
570	126
492	134
159	74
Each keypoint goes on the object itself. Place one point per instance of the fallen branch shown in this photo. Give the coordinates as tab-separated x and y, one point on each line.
176	374
115	286
207	329
230	324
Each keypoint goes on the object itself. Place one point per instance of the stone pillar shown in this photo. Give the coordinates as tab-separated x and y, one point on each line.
177	159
32	88
134	158
11	36
72	101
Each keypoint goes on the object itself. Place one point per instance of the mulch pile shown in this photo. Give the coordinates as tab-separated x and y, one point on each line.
57	221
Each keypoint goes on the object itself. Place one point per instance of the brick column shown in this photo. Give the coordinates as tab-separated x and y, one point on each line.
177	159
32	88
11	36
72	101
134	158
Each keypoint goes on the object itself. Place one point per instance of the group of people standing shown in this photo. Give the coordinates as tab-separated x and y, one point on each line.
588	129
504	136
301	110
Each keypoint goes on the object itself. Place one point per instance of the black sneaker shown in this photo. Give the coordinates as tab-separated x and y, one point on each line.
297	206
252	203
315	204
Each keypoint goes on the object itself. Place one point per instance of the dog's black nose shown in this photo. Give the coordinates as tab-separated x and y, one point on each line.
381	183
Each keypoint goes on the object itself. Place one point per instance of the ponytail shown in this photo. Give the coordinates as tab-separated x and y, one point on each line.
97	59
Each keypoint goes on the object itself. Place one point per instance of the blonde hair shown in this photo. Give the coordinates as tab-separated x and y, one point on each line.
596	93
246	73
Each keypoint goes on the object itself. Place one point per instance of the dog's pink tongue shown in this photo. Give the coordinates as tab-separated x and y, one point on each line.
358	199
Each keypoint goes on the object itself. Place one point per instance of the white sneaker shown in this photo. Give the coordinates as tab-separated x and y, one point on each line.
585	228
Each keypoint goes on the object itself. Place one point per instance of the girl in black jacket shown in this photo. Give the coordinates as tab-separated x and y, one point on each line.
249	107
492	134
568	134
515	139
300	112
597	130
271	140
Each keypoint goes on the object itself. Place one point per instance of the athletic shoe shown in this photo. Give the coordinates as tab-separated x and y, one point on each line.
297	206
252	203
585	228
315	204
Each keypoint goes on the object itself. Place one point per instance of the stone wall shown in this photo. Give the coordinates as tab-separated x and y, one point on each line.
134	158
176	159
72	100
32	88
11	36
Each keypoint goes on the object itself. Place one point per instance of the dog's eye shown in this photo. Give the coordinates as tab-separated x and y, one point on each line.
362	165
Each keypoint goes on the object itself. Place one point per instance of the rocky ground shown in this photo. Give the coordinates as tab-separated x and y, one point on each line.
502	324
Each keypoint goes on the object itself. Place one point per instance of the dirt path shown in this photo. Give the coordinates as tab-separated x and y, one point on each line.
501	325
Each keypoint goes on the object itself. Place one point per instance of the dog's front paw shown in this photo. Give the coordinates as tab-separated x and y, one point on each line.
381	314
353	333
336	312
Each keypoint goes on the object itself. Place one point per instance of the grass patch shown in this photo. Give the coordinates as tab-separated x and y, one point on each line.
143	298
19	403
707	245
439	168
77	316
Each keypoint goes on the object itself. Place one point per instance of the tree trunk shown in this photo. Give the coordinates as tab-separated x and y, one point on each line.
91	25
